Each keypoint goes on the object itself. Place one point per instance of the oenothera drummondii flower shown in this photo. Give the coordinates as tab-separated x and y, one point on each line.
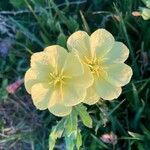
145	12
57	80
105	58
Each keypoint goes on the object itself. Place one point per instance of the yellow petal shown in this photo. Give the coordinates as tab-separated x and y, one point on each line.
60	110
119	53
56	105
73	95
106	90
92	97
85	80
79	41
145	13
57	56
118	74
40	59
33	76
73	65
41	93
102	42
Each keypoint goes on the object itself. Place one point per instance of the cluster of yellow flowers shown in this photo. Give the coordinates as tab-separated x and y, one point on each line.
93	68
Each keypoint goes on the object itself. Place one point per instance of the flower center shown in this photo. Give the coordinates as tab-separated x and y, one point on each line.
95	66
58	79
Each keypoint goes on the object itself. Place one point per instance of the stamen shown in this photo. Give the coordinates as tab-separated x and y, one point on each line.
95	66
58	79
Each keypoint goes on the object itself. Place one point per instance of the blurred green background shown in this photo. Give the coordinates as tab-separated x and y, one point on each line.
27	26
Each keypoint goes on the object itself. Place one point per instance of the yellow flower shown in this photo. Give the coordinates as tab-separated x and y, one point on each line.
145	13
57	80
105	59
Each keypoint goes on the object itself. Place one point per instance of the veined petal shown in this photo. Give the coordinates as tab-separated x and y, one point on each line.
40	59
106	90
41	93
73	95
60	110
79	41
118	74
92	97
85	80
33	76
102	42
56	105
119	53
73	65
57	56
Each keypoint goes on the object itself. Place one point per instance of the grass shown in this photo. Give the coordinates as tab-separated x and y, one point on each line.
32	25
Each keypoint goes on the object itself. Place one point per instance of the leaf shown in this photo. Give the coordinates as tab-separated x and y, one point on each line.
70	141
18	4
56	132
71	123
79	140
84	115
62	40
136	135
26	32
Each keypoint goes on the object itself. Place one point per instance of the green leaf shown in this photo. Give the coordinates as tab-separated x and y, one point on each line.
62	40
136	135
56	132
79	140
18	4
84	115
71	123
70	141
26	32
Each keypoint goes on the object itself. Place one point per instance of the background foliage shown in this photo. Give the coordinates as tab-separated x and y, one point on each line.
27	26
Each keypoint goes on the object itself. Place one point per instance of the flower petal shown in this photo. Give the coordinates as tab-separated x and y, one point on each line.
57	56
79	41
102	42
60	110
145	13
118	74
33	76
92	97
56	105
73	65
40	59
85	80
105	90
119	53
41	93
73	95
